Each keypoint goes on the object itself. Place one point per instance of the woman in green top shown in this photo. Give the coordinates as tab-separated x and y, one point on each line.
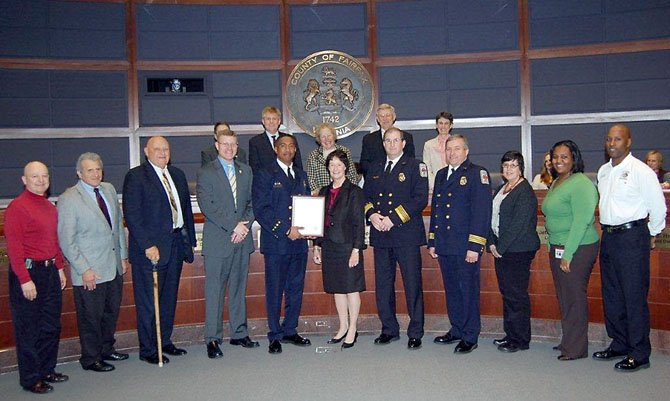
569	215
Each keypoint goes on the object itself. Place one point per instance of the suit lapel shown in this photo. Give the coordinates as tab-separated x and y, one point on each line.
92	204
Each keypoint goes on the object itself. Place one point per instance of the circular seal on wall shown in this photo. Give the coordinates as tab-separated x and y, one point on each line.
330	87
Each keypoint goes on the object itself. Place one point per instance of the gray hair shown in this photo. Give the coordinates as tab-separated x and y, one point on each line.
459	136
88	156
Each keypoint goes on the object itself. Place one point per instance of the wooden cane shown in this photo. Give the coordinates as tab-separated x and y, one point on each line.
154	272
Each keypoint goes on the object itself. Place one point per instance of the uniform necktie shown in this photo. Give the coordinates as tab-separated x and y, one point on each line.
233	183
173	204
290	174
451	171
388	167
103	206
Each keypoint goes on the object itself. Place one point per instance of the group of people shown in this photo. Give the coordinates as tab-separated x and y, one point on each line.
466	219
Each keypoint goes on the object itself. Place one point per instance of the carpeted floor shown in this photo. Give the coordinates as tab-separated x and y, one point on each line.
365	372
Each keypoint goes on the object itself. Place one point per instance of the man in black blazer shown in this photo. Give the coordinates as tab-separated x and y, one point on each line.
261	146
396	193
283	247
373	151
211	153
157	209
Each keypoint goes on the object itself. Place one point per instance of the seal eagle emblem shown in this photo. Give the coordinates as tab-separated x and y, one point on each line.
330	87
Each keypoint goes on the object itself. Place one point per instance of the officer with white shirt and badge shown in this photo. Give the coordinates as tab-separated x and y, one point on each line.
397	192
459	224
632	211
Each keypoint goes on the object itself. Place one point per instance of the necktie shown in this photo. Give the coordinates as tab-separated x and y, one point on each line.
233	183
274	139
173	204
388	167
289	173
451	171
103	206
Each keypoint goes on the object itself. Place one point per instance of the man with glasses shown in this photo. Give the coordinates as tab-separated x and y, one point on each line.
397	192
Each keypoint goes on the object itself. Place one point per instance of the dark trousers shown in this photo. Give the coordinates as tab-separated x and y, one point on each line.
461	284
97	313
284	278
572	300
36	324
143	290
513	272
624	270
409	259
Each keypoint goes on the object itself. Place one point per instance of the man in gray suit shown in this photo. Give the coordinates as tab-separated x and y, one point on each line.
93	240
224	197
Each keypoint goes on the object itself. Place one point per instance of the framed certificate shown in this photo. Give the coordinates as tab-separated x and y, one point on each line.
309	213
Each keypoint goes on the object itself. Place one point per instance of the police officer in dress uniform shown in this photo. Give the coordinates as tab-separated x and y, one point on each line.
396	193
459	223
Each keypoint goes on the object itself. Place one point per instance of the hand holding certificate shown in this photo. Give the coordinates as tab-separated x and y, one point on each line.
308	213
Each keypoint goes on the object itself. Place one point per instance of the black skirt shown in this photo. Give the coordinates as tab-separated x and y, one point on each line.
338	277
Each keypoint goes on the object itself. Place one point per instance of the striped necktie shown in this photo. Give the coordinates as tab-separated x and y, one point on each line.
233	182
173	203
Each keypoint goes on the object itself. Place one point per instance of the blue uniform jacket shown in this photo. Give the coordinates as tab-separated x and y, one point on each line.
271	198
460	218
402	195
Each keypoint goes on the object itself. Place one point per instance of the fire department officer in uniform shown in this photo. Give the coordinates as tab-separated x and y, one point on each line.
396	193
459	223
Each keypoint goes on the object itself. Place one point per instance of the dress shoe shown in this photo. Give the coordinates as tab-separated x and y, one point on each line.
569	358
336	340
39	388
55	377
500	341
464	347
153	359
174	351
246	342
556	347
99	366
414	343
384	339
607	354
213	350
115	356
275	347
511	347
446	339
629	364
296	339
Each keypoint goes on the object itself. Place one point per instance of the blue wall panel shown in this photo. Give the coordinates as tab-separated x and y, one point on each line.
340	27
630	81
175	110
20	113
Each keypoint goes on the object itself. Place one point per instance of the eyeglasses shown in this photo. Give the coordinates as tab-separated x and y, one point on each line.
509	166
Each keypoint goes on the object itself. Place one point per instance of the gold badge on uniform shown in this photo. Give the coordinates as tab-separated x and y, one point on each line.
464	180
401	177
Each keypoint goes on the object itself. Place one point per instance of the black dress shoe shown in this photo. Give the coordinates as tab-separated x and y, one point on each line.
275	347
631	365
336	340
556	347
153	359
55	377
384	339
296	339
414	343
510	347
115	356
464	347
174	351
213	350
607	354
446	339
500	341
99	366
39	388
569	358
246	342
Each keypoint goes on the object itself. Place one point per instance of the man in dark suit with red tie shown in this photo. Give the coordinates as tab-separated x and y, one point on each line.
157	208
261	146
282	245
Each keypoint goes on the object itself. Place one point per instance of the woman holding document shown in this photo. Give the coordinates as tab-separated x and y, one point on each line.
340	250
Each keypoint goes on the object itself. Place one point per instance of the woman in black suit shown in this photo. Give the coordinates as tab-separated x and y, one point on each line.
341	248
513	241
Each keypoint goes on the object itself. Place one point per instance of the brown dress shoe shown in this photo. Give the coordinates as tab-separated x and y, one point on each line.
39	388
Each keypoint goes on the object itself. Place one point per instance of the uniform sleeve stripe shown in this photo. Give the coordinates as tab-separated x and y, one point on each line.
402	213
477	239
368	206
